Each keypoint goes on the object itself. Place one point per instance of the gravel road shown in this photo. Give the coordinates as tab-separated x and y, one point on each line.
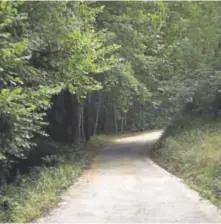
125	186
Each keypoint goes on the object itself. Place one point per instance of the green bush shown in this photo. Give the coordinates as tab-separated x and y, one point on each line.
194	154
33	194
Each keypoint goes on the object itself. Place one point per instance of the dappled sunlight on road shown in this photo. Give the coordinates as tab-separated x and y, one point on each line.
124	186
145	137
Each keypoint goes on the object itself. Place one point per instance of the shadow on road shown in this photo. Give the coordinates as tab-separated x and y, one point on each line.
135	147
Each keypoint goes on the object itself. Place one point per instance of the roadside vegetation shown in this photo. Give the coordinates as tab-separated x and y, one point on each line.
34	194
72	70
193	153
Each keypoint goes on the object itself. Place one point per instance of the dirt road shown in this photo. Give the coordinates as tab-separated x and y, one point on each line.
124	186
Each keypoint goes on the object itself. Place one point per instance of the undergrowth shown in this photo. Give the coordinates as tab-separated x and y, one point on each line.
194	154
38	191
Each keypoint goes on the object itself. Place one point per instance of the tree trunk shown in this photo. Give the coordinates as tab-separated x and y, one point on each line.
97	115
122	123
73	109
105	119
125	119
82	122
76	119
86	119
115	120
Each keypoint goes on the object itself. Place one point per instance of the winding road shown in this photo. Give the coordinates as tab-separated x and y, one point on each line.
125	186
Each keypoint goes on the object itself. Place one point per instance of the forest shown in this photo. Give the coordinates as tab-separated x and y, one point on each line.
71	70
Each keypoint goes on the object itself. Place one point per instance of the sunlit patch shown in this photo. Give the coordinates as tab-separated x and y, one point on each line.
146	137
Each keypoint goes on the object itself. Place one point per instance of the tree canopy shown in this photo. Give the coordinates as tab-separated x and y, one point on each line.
69	70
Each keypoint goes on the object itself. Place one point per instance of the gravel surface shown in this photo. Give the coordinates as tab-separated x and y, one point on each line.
124	186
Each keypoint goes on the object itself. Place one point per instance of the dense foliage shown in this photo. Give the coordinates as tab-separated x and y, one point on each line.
69	70
192	152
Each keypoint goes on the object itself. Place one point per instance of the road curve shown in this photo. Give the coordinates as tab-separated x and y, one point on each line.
124	186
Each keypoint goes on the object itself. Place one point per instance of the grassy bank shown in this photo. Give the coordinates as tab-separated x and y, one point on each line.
38	191
192	151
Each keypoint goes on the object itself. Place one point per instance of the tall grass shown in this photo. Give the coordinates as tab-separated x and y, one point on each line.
194	154
38	191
